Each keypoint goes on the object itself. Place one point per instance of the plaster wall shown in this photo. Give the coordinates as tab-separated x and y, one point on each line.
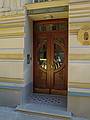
11	46
79	64
11	69
11	52
12	43
10	98
79	106
79	60
11	4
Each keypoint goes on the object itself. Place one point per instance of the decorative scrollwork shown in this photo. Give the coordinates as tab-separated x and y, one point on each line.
84	35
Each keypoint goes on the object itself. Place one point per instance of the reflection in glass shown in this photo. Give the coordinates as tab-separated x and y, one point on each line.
43	56
58	57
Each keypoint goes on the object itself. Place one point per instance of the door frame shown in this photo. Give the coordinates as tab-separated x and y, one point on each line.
53	20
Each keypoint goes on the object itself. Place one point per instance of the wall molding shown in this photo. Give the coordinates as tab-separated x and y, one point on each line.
12	16
11	35
11	80
11	56
74	31
79	56
79	85
11	30
80	16
78	2
46	4
79	8
11	25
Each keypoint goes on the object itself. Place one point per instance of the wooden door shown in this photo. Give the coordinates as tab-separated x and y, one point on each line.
50	56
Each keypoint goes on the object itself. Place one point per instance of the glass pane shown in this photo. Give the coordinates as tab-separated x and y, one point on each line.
58	57
43	0
51	27
41	28
54	26
43	56
63	26
35	0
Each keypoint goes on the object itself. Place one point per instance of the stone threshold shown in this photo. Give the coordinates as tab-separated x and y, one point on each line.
45	110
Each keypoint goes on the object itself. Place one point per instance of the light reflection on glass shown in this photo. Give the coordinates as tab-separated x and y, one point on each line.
58	57
43	56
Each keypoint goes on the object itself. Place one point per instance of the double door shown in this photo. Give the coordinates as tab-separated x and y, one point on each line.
50	57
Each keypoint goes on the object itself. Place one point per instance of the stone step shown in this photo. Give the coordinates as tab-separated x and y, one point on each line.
48	110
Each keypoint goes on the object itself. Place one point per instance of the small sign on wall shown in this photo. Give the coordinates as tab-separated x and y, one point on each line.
84	35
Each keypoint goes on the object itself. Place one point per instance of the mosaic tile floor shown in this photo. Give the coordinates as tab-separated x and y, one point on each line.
53	105
48	99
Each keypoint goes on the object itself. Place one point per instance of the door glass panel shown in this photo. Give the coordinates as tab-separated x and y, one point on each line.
40	0
51	27
43	56
58	57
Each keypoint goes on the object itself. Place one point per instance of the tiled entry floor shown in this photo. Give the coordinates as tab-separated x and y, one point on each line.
53	106
46	104
48	99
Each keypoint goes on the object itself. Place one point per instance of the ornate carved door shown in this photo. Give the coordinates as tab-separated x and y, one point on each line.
50	56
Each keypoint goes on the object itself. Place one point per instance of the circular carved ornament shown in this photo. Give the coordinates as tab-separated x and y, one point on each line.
84	35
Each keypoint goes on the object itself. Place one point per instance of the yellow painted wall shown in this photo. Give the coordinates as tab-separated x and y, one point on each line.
12	19
53	3
11	68
13	5
11	51
12	47
79	60
79	55
79	72
12	43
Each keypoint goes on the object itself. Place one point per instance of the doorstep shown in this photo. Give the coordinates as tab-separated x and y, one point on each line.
50	110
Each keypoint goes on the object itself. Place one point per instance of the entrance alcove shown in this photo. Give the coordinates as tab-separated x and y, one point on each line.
29	68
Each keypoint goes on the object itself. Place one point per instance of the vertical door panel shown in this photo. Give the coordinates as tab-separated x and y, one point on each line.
59	58
40	64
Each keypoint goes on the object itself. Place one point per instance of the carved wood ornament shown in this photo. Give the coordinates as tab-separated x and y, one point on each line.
84	35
